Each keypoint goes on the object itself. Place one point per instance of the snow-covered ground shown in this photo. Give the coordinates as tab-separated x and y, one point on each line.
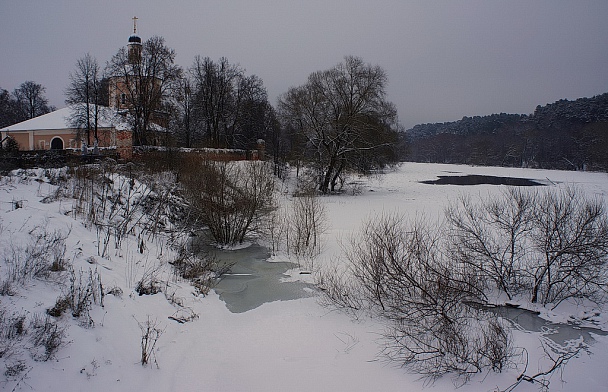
295	345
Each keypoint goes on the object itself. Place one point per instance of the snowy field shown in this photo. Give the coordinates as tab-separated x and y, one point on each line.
295	345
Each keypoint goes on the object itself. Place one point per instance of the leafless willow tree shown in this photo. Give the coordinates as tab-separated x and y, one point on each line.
344	119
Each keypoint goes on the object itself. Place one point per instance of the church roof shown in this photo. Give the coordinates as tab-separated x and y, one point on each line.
134	39
59	119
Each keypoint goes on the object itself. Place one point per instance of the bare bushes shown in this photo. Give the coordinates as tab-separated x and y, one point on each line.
464	343
150	333
38	334
298	225
423	277
306	224
229	198
47	337
490	239
85	289
42	254
13	328
200	269
570	237
118	201
402	275
550	246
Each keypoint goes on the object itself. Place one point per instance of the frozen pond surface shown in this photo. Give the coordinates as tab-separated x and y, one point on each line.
253	280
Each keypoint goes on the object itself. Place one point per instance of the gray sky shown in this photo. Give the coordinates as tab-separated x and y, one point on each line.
444	59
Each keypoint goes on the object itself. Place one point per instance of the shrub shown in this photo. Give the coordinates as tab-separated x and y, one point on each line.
150	333
551	245
84	291
12	329
401	274
202	270
47	335
230	198
44	253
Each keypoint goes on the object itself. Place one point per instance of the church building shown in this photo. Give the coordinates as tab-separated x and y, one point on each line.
54	131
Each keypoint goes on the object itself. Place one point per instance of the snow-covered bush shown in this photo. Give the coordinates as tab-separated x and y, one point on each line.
13	328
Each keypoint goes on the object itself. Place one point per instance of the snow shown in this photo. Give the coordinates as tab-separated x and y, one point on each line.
295	345
59	119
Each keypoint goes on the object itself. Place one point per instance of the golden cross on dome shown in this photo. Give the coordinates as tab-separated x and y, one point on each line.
135	24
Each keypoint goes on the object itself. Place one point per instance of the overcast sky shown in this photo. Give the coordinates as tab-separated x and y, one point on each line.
444	59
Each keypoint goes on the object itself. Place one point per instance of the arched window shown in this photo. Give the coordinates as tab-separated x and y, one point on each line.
56	144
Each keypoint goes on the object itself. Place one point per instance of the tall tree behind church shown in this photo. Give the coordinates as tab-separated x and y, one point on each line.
229	107
85	95
146	83
31	100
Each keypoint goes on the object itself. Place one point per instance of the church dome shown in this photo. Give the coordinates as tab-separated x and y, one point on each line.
134	39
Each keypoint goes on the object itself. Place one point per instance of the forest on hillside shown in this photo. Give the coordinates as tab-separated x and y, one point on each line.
569	135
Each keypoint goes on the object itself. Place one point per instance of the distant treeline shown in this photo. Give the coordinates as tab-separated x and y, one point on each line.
570	135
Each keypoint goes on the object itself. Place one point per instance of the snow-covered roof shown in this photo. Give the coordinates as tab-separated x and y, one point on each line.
59	119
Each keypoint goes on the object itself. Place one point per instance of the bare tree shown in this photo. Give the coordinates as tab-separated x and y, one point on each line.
229	106
10	112
31	99
184	99
344	118
214	94
248	117
84	95
229	198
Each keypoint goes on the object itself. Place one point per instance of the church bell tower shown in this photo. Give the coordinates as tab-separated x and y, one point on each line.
134	45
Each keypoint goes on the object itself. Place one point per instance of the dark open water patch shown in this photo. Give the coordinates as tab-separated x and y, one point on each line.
475	179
